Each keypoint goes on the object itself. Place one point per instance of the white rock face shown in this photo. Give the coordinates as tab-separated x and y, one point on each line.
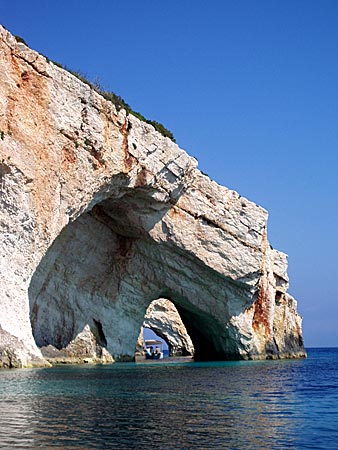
100	215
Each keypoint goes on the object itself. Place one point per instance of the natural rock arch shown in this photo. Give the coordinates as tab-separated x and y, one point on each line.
93	275
78	174
163	318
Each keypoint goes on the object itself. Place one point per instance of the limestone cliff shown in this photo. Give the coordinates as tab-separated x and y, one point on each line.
100	215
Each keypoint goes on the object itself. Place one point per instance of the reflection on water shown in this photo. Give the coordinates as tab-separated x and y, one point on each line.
239	405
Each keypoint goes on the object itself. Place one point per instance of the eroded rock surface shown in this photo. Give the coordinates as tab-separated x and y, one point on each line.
100	215
15	354
85	348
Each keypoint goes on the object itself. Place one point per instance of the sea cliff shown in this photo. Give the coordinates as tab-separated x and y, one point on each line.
100	215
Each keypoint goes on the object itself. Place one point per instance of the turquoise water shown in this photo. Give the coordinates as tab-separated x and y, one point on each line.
291	404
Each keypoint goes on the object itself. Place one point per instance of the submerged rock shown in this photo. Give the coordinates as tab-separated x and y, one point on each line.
100	215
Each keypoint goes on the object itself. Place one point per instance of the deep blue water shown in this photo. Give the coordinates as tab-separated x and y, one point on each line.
164	405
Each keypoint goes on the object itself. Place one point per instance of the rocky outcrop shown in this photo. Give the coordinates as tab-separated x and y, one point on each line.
163	318
15	354
100	215
85	348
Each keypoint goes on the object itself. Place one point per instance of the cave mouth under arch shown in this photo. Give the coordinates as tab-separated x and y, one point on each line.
102	272
163	319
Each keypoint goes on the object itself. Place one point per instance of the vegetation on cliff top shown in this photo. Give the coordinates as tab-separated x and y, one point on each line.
118	101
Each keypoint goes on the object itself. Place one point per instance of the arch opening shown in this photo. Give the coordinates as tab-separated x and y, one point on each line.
96	281
163	319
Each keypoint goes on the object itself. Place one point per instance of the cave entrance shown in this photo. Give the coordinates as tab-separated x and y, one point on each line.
98	277
162	321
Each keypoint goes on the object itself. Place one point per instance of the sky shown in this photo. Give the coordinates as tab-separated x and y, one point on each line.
247	87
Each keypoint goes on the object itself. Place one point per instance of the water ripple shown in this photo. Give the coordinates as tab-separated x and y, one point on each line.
253	405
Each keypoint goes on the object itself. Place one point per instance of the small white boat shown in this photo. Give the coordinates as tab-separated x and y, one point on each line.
153	349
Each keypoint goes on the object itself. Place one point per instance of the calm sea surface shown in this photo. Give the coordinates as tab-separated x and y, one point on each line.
167	405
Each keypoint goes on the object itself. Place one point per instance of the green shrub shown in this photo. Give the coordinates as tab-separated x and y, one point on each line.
20	39
161	129
56	63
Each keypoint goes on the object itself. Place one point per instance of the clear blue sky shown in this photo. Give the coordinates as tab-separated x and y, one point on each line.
247	87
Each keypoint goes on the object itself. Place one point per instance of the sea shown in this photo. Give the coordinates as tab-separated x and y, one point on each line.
174	404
